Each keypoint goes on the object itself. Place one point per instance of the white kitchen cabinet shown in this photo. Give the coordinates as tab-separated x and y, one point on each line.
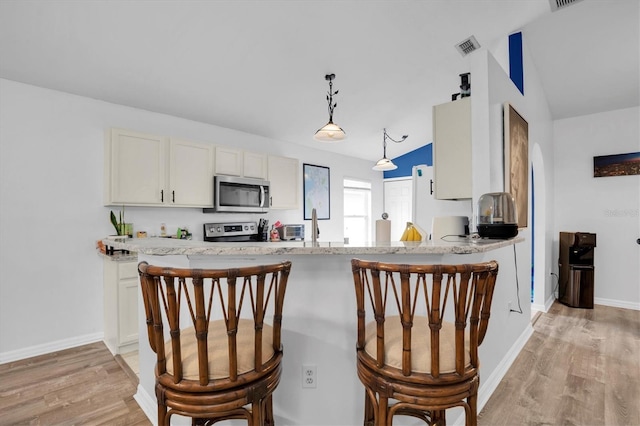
121	292
135	168
228	161
254	165
452	150
190	174
283	182
148	170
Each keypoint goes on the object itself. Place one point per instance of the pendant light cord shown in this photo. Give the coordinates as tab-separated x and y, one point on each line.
332	105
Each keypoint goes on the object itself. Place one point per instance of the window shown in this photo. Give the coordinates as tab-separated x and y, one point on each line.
357	211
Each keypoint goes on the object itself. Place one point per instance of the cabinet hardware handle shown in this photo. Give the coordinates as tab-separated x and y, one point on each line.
162	195
173	196
270	201
431	186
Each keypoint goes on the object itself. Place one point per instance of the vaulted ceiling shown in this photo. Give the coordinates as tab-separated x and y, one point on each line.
259	66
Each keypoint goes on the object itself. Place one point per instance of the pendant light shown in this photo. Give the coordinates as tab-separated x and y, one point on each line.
384	164
330	132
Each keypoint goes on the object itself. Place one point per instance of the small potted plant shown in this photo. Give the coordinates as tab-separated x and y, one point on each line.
122	229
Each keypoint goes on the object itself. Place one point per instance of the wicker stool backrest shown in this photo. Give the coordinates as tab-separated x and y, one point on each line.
412	294
190	299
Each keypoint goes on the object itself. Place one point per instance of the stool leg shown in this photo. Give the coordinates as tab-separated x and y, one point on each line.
162	407
369	414
472	414
438	418
383	412
268	411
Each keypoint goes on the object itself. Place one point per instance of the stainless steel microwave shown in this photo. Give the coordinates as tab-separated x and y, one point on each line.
233	194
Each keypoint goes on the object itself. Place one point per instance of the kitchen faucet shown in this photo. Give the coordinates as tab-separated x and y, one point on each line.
314	226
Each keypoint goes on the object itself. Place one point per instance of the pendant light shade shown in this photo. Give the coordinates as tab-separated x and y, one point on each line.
330	132
384	164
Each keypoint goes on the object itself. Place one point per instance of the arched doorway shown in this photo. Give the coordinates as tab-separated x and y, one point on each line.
539	269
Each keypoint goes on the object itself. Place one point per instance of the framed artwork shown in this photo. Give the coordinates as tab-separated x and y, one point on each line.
616	165
516	161
316	191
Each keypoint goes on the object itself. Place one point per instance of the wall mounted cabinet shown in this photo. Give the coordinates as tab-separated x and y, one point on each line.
228	161
149	170
452	150
254	165
236	162
284	180
190	174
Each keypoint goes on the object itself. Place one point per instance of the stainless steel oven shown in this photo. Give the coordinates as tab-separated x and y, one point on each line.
230	232
233	194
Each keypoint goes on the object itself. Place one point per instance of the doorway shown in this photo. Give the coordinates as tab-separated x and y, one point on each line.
398	203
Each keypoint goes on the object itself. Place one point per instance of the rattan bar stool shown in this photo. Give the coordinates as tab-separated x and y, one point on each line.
217	337
419	328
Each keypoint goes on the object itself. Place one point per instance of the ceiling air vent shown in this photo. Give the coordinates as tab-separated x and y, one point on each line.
467	46
561	4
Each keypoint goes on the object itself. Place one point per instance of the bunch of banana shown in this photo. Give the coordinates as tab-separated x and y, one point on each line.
410	233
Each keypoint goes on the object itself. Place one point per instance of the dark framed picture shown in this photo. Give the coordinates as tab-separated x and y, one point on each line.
316	187
616	165
516	161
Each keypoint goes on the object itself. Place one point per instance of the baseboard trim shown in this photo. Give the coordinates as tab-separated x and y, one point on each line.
490	384
147	403
617	303
46	348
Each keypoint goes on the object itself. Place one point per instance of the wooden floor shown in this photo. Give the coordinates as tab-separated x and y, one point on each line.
580	367
79	386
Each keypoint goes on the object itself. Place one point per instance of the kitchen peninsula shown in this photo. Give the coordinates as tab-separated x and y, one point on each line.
319	324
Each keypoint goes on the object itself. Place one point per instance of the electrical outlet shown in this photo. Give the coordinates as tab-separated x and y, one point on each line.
309	376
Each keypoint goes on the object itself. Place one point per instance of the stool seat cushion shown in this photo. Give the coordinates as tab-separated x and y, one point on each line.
420	344
218	348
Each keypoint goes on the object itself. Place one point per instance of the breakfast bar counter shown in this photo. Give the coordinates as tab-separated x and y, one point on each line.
319	318
172	246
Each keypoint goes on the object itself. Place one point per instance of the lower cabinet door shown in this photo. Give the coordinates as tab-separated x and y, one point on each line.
128	311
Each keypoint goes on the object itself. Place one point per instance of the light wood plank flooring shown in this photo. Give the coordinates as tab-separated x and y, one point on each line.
79	386
580	367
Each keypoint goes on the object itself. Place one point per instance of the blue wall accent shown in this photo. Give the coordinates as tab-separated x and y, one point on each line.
405	163
516	72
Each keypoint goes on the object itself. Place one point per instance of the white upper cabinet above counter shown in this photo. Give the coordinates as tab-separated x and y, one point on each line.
190	174
283	182
236	162
452	150
228	161
149	170
254	165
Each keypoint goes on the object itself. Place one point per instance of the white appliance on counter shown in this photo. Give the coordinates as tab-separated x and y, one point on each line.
426	207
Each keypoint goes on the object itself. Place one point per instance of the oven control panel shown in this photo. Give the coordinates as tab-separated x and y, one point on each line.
213	231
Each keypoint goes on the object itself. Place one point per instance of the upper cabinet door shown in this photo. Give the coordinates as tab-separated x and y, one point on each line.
254	165
228	161
452	150
135	168
283	182
190	174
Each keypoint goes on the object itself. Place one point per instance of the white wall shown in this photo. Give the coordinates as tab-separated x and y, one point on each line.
492	88
606	206
52	213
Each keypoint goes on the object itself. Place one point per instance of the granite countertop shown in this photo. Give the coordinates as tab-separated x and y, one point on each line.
169	246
